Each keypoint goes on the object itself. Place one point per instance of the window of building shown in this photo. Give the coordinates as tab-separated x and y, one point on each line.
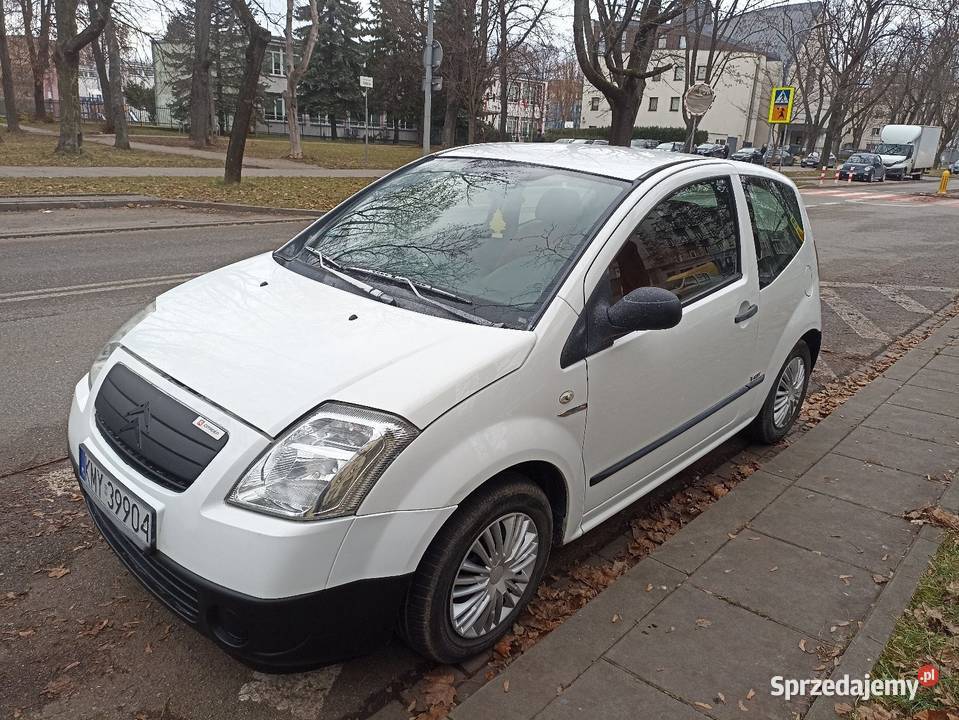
674	104
657	77
278	62
275	108
594	104
682	42
661	42
653	104
688	244
700	72
514	90
875	132
679	73
777	225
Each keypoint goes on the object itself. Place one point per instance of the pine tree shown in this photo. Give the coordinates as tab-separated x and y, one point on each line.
394	60
331	85
227	47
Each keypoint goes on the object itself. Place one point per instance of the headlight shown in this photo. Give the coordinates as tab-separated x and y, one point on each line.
114	342
325	466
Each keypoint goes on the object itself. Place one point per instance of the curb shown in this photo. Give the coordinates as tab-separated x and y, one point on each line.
34	202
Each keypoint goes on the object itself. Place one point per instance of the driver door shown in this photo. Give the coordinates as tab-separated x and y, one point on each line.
658	398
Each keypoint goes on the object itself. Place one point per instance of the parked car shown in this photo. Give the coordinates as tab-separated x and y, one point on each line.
713	150
812	160
672	146
597	141
779	156
382	423
750	155
564	141
644	143
954	168
867	167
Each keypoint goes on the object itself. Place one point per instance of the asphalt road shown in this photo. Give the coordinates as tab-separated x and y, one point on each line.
888	260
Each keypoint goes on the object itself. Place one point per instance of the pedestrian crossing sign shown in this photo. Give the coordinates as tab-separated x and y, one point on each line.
781	105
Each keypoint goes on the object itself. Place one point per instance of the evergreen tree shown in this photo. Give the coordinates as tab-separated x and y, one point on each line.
331	85
395	60
227	48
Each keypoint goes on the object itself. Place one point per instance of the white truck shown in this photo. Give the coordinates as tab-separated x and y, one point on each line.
908	150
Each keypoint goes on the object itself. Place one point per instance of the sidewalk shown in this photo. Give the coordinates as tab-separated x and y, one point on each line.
801	571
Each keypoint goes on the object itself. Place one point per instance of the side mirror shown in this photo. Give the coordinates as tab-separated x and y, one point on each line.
646	308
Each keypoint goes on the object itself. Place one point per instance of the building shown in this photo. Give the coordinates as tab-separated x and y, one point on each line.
23	75
525	108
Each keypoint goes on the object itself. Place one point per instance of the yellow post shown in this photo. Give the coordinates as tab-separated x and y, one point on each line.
944	183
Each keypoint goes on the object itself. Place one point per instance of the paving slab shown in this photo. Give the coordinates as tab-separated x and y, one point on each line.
839	529
811	447
881	447
936	380
736	652
916	424
778	580
945	363
693	545
921	398
881	488
862	404
618	694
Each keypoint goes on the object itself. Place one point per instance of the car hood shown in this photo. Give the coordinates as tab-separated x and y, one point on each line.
892	159
269	345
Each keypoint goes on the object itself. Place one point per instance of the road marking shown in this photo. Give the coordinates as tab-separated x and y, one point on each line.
67	290
860	324
903	300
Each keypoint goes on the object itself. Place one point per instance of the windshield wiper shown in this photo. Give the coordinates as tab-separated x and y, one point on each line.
416	286
335	269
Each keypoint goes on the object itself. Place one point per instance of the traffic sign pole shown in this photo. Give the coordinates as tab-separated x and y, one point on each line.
428	85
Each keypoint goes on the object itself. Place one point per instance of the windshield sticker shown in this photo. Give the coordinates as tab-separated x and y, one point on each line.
209	428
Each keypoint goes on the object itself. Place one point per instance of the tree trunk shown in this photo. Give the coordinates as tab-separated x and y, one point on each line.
503	67
833	136
623	115
396	130
68	86
332	126
449	122
102	75
39	102
118	108
471	129
259	38
200	135
9	99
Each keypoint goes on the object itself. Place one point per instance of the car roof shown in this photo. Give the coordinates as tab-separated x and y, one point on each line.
622	163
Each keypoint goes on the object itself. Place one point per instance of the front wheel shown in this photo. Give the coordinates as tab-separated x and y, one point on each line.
785	397
480	571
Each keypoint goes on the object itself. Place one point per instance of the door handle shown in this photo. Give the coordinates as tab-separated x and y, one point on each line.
747	313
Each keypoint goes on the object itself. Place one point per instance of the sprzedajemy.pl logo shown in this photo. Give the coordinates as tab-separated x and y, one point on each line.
862	688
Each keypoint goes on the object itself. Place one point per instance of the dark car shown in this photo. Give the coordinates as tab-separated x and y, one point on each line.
643	143
812	160
867	167
672	146
750	155
954	168
779	156
713	150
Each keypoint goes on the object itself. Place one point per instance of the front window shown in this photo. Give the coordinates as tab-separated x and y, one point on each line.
860	160
894	149
499	235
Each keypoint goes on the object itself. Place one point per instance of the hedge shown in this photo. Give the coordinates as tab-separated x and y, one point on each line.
652	132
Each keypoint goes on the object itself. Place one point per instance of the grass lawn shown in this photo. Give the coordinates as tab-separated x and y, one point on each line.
288	192
927	632
28	149
322	153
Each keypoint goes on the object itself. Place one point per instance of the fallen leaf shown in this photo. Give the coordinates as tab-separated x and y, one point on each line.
880	579
703	706
616	618
57	572
703	622
843	709
751	694
845	578
506	685
742	706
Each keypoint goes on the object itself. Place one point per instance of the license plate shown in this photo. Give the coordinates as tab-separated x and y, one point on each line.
128	512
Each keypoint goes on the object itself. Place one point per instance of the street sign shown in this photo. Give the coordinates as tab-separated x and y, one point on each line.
436	82
433	56
698	99
781	105
366	81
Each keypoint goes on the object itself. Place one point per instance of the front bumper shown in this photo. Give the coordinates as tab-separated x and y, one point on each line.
277	635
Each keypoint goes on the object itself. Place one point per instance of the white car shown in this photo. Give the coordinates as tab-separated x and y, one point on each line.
391	420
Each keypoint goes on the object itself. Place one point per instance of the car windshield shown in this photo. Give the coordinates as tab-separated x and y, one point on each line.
665	146
500	235
894	149
861	159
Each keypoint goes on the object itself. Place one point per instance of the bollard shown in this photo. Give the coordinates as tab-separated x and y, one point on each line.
944	183
835	179
849	178
822	175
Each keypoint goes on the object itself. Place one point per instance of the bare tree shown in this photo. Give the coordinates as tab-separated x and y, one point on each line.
13	121
37	39
258	37
296	70
70	41
200	100
601	51
516	19
565	85
118	110
99	61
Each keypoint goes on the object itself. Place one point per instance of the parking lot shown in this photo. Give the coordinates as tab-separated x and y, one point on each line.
78	636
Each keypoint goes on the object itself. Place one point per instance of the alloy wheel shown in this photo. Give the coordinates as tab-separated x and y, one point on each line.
789	392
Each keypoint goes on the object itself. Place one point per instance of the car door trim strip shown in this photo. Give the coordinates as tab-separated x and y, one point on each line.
676	432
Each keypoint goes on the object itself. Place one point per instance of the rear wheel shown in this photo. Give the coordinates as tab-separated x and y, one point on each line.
480	571
785	397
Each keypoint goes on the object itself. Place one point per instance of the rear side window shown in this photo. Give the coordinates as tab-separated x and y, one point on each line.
688	243
777	225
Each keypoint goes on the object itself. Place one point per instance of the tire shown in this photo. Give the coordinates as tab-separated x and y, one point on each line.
426	621
765	427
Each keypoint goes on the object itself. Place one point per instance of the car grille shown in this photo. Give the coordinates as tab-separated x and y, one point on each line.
177	593
152	432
